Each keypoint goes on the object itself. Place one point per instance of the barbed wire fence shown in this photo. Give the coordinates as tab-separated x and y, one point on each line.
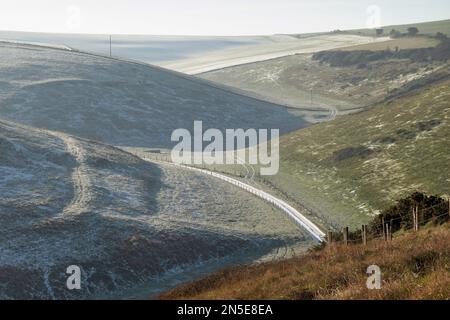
419	217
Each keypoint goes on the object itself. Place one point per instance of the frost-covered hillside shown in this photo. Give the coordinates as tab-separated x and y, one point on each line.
127	223
118	102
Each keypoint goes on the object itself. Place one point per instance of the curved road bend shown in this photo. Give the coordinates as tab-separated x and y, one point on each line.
294	214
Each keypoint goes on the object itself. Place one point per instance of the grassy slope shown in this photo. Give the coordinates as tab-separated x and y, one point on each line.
405	156
413	266
401	43
290	80
429	28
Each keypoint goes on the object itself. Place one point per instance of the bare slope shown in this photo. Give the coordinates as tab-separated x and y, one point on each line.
126	222
117	102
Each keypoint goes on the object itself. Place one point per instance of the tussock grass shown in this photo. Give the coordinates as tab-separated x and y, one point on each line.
413	265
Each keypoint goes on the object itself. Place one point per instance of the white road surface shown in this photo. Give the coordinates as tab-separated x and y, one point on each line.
294	214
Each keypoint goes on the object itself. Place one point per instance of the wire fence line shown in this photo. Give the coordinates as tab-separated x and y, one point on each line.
363	235
291	212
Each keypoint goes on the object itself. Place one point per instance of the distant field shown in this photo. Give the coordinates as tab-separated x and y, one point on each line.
308	85
191	54
146	48
400	43
279	46
430	28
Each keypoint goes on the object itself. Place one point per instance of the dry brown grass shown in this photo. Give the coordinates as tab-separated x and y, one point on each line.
413	265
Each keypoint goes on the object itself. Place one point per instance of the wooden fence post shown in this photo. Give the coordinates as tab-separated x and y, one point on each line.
345	236
388	236
384	228
330	237
417	219
364	234
390	231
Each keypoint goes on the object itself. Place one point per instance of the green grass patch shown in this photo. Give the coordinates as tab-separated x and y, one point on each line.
354	167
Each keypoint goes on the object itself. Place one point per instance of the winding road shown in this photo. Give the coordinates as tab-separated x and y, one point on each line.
294	214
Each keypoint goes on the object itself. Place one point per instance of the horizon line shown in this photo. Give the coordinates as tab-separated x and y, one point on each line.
216	35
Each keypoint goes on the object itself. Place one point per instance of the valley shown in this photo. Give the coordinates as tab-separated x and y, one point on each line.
85	139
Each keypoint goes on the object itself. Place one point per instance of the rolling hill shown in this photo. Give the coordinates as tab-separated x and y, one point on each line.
274	47
349	169
119	102
68	196
428	28
313	87
127	223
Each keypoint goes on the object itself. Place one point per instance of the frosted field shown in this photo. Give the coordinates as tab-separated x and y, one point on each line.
135	228
278	46
150	49
69	197
120	103
193	54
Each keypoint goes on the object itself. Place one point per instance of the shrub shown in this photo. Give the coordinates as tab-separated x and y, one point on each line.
441	36
395	34
359	57
431	208
412	31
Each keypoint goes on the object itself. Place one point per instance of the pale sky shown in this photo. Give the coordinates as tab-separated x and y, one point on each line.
212	17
